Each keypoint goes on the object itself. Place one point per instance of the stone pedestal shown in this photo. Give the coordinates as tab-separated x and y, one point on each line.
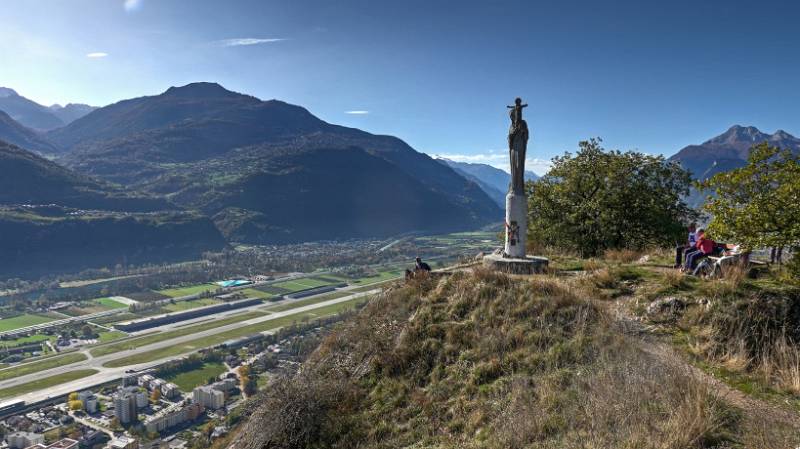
511	265
513	259
516	224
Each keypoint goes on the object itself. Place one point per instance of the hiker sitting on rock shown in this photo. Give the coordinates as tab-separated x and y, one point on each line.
421	269
421	266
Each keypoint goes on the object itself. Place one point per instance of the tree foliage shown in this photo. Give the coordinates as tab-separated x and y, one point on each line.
597	200
757	205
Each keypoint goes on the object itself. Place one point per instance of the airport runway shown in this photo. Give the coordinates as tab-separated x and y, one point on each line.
109	374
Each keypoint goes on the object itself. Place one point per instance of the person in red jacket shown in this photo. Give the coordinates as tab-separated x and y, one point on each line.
704	245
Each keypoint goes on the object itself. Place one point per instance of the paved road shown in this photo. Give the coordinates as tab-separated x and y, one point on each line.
109	374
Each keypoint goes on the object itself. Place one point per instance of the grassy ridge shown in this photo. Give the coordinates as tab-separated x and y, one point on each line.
482	360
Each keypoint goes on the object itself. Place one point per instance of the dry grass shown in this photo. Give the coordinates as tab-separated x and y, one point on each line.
622	255
484	360
593	265
781	364
604	278
674	279
749	331
629	400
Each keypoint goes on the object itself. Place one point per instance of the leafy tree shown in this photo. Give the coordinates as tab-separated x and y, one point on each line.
75	405
248	384
155	396
597	200
87	331
757	205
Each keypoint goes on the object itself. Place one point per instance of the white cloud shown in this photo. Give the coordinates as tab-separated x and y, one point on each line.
498	159
357	112
244	41
97	54
132	5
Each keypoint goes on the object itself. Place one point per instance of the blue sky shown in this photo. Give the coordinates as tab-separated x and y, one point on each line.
653	76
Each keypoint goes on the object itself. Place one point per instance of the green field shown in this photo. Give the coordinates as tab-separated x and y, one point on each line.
190	379
216	339
366	288
107	336
110	303
46	382
302	284
180	306
381	276
304	302
161	336
186	291
253	293
25	320
35	367
36	338
94	306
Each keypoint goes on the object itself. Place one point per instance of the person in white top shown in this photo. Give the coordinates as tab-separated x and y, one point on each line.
691	241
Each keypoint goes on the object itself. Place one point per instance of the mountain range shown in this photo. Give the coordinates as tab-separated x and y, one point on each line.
55	220
492	180
35	116
15	133
268	171
729	150
198	166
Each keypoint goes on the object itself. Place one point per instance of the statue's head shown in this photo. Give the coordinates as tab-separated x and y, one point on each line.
518	101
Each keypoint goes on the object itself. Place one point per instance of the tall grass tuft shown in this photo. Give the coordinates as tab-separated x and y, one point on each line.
622	255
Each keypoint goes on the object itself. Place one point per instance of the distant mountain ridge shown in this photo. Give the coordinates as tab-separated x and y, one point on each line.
492	180
37	117
729	150
228	154
71	112
56	220
13	132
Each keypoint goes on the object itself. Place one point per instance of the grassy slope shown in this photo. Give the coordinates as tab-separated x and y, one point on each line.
486	361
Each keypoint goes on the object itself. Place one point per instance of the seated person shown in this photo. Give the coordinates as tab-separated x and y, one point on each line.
705	247
421	266
691	241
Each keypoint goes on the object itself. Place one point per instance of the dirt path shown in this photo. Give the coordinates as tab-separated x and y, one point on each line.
654	344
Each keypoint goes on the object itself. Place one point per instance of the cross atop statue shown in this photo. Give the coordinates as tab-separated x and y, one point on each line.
513	258
517	146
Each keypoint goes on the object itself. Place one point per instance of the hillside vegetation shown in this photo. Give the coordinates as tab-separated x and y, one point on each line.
38	241
479	359
268	171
